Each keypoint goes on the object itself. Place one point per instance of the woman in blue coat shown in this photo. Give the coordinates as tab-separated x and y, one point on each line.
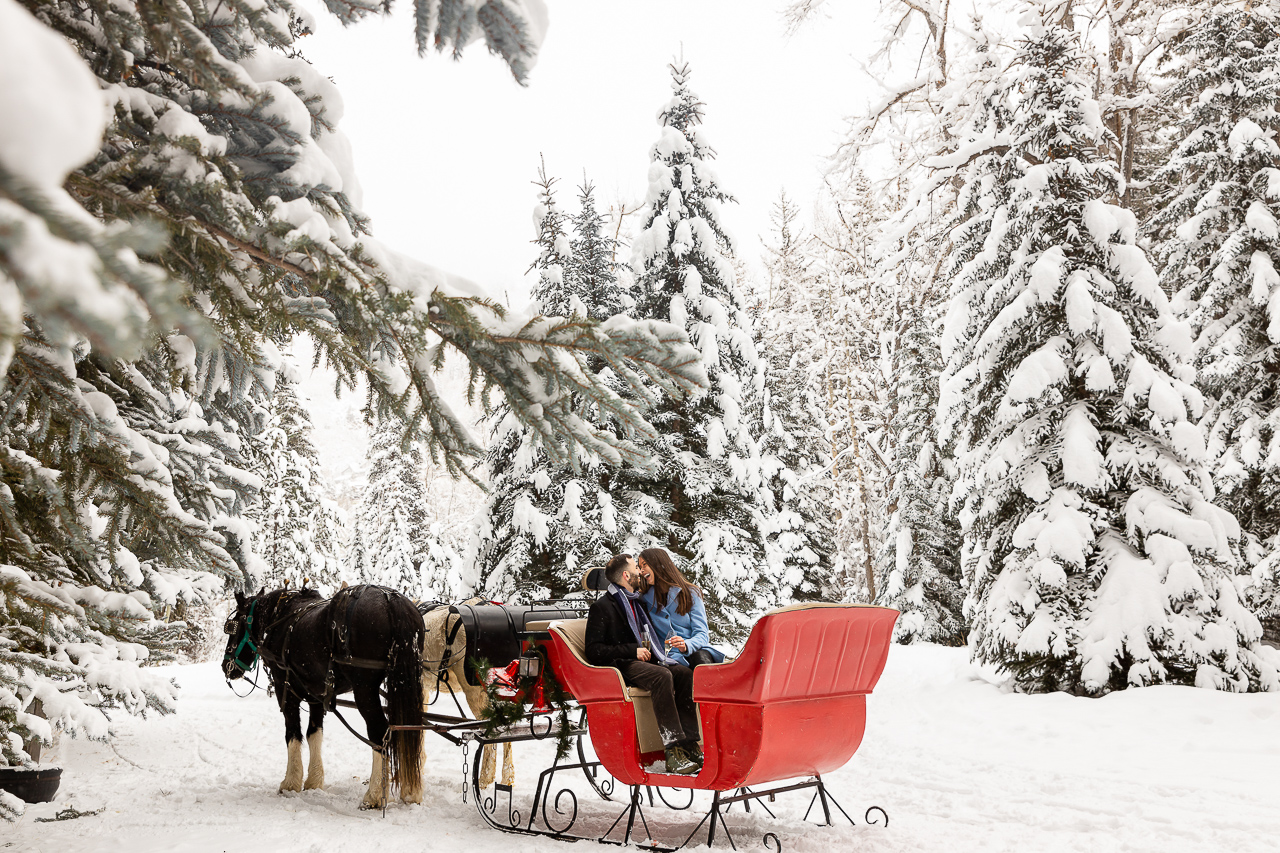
676	610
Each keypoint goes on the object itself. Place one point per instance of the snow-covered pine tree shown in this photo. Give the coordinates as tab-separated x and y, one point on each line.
395	538
919	561
920	534
1095	559
592	270
952	76
799	534
513	551
544	521
148	260
710	475
295	518
859	306
1219	243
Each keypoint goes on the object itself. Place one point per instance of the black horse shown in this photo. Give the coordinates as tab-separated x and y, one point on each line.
316	649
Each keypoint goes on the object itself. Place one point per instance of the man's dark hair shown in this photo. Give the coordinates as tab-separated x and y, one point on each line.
616	566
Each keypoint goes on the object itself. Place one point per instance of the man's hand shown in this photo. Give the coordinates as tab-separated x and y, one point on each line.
643	654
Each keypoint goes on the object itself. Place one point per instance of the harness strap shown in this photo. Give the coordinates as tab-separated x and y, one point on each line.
362	663
447	657
247	640
345	630
446	660
376	747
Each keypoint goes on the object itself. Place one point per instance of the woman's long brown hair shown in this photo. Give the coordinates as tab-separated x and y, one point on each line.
665	576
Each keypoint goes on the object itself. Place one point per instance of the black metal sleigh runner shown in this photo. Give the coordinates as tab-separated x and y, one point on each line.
789	709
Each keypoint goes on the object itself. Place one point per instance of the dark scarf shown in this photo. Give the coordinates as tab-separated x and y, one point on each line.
637	618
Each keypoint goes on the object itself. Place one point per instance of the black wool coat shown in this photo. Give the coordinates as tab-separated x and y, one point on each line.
609	639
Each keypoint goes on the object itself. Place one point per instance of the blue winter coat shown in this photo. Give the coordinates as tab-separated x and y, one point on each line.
692	626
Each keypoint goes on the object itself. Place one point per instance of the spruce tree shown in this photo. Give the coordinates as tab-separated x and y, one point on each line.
800	529
1095	559
1219	243
295	519
545	521
592	273
710	482
516	559
918	563
395	536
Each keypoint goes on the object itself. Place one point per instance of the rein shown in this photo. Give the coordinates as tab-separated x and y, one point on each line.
253	683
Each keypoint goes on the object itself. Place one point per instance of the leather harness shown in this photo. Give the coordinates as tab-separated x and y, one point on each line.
339	638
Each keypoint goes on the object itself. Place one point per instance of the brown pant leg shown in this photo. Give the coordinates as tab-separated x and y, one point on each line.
657	679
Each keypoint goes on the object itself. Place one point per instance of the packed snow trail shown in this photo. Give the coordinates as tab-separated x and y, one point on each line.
958	764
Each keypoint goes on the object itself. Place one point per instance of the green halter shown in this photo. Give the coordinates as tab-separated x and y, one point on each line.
237	657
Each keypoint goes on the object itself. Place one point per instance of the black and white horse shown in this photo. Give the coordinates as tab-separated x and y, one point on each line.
316	649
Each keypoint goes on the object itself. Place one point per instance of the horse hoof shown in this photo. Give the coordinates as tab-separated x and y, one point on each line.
313	784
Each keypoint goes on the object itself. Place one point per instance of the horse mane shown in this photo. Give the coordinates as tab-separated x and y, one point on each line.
285	594
274	603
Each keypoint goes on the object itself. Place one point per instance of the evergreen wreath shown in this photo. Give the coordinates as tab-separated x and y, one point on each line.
502	712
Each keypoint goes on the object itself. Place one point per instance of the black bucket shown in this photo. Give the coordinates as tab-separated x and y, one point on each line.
31	786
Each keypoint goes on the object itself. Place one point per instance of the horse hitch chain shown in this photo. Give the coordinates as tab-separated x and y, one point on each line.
466	747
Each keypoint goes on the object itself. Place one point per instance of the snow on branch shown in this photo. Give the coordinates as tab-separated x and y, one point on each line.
540	365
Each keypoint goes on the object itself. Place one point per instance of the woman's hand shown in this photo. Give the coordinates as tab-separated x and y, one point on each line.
678	644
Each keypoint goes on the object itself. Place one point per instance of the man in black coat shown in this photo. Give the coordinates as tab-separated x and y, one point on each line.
616	626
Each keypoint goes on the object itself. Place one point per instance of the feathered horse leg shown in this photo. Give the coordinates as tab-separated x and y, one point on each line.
291	706
375	796
315	742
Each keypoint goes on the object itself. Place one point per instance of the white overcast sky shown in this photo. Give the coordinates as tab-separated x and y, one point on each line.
446	151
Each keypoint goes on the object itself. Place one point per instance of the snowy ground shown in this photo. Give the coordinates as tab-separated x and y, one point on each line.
958	765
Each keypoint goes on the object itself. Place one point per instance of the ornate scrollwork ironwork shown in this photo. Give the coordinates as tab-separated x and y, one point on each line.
604	787
533	729
573	816
491	804
671	805
557	816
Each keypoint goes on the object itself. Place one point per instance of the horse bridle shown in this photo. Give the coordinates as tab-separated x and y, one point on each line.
246	642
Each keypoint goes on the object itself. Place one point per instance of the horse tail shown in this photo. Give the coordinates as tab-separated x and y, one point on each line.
404	696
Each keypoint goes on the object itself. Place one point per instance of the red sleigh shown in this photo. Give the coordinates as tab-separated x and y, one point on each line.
790	708
792	704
